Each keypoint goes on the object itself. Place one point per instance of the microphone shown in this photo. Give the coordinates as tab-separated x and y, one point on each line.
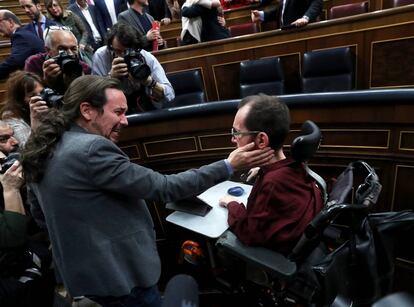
181	291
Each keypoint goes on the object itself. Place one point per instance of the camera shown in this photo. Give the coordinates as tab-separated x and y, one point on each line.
69	64
52	98
136	64
8	161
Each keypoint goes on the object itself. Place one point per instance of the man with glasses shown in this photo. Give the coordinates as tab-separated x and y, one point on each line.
148	93
283	199
23	43
40	22
61	47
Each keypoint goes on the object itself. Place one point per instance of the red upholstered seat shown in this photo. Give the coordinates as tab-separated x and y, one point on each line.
243	29
348	10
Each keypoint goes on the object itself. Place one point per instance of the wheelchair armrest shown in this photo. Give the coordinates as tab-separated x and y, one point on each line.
269	260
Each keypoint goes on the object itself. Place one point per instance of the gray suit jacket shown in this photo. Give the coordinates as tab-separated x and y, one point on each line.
130	17
92	199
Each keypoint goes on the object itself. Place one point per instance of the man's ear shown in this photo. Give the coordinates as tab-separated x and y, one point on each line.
262	140
87	111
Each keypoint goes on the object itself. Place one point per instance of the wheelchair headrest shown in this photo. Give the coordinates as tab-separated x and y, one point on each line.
307	143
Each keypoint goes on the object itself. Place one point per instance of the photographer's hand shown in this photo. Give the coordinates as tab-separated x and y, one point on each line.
37	108
12	180
51	71
119	68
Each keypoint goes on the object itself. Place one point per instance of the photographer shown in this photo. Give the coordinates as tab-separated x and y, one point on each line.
23	106
142	77
21	281
60	65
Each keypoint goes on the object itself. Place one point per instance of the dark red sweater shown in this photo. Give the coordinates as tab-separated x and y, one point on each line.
282	203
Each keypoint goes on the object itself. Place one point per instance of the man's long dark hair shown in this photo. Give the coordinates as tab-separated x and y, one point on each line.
39	148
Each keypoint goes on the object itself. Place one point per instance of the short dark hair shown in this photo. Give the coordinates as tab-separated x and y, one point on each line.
127	35
267	114
9	15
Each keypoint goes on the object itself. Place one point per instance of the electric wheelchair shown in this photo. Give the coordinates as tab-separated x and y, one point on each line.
345	256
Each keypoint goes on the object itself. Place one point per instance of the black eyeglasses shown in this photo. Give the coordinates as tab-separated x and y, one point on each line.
235	133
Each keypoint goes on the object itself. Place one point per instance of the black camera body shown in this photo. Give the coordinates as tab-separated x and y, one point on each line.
137	66
69	64
8	161
52	98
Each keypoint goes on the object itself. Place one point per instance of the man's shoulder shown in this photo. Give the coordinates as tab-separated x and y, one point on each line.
81	140
101	51
50	22
124	13
28	36
36	58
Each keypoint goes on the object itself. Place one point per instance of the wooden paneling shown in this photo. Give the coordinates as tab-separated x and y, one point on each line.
390	60
170	147
382	43
403	187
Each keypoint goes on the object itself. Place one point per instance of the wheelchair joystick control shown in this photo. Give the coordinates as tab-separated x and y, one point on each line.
236	191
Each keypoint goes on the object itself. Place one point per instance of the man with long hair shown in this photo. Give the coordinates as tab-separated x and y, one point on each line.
92	196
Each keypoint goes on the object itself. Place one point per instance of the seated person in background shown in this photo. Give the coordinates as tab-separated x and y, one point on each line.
283	199
192	27
213	22
70	20
21	283
39	22
293	12
24	43
158	9
137	17
60	65
23	107
109	10
144	93
92	20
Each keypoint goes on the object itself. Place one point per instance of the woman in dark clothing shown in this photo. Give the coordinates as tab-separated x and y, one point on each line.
212	29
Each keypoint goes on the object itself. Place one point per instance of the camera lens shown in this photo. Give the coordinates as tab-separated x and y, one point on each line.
139	70
136	64
52	99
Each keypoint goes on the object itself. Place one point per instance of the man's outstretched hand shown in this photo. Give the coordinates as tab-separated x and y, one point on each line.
247	157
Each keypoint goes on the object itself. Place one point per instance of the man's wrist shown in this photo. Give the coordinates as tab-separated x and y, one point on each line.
306	17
